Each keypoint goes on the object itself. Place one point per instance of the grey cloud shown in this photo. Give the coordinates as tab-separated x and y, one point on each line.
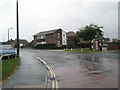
39	15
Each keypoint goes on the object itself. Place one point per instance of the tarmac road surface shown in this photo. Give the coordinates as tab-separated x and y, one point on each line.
73	70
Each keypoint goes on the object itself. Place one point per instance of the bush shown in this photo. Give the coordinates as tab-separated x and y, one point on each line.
46	46
61	47
71	46
84	45
114	46
115	43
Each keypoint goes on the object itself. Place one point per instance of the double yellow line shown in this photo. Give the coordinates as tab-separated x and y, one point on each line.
52	74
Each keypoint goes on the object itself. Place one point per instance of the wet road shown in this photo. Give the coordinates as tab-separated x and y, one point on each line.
73	70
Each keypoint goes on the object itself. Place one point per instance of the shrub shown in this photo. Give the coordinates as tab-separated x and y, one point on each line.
114	46
61	47
71	46
46	46
84	45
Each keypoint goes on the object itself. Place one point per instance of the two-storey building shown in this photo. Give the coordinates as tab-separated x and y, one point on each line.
56	36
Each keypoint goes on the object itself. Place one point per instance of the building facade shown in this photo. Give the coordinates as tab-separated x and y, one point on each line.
56	36
22	42
114	40
71	39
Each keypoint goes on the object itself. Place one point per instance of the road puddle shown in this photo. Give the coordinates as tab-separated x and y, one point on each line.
90	72
92	65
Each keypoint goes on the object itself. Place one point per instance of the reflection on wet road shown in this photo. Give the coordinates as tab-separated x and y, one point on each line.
92	72
78	70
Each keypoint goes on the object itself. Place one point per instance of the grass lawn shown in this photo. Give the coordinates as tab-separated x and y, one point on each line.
8	67
0	70
84	50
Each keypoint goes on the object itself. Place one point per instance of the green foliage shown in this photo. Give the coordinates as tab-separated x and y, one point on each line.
50	46
115	43
8	67
62	47
0	70
71	46
84	45
89	32
114	46
46	46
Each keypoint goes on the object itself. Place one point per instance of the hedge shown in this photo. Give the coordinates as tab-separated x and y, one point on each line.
46	46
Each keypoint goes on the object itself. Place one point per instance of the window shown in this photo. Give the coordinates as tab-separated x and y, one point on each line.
58	42
43	42
58	35
41	37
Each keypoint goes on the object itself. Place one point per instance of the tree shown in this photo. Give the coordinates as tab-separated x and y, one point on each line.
89	32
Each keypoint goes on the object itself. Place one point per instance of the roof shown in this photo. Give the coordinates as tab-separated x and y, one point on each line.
4	43
71	33
47	32
20	40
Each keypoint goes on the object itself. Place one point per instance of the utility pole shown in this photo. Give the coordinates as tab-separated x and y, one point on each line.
17	29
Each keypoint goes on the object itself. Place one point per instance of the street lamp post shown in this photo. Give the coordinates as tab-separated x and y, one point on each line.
17	28
8	33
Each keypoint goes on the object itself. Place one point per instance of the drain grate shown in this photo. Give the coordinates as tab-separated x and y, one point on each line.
52	78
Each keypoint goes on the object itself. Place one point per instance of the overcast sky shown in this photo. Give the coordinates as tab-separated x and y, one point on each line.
42	15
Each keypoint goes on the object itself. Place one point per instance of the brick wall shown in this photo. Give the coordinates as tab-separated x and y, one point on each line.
58	38
114	46
50	38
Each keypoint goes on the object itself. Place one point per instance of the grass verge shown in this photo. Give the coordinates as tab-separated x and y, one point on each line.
84	50
0	71
8	66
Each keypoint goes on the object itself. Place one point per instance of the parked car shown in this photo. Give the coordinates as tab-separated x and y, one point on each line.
8	50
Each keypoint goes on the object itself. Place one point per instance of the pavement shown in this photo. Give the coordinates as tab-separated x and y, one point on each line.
73	70
30	72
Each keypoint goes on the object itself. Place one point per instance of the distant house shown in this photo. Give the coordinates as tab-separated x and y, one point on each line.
114	40
106	40
22	42
56	36
3	43
71	39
